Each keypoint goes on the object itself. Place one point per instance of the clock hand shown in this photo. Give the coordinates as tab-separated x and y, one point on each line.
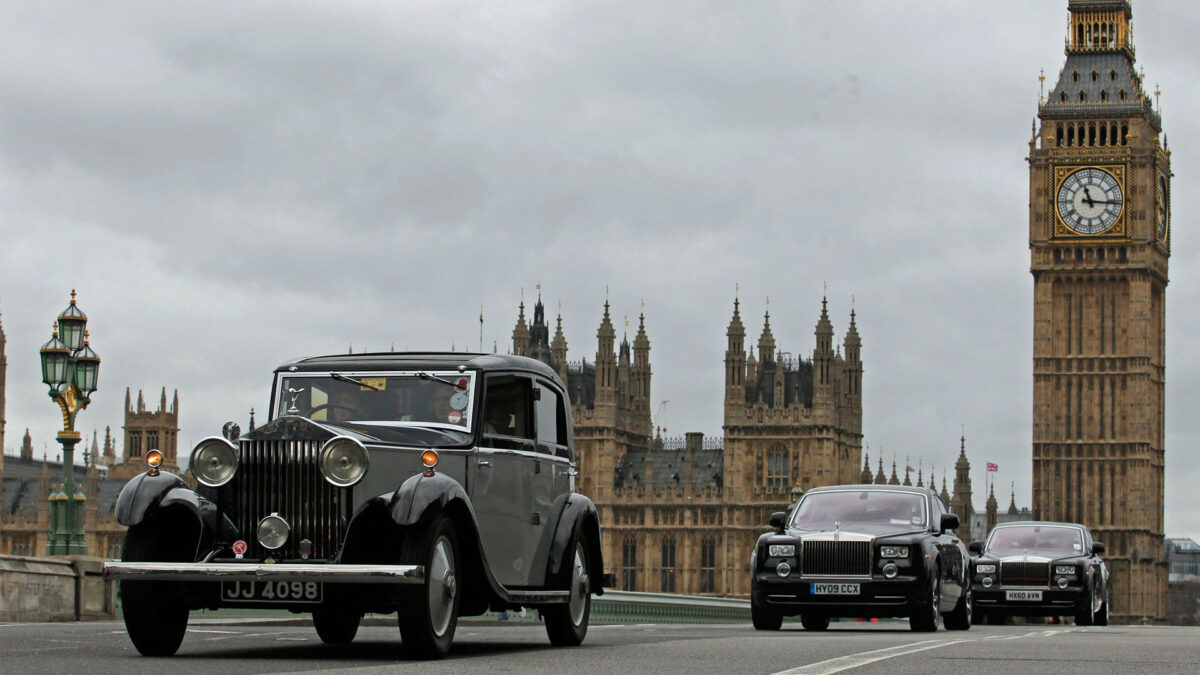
1087	196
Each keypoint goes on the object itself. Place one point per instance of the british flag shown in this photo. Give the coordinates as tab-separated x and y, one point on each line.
993	467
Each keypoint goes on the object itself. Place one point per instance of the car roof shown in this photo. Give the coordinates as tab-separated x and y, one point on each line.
871	486
419	361
1038	523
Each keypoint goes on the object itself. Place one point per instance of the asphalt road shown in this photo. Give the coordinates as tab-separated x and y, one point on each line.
246	647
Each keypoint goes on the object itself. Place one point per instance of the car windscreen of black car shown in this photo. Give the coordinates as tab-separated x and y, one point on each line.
1046	539
827	510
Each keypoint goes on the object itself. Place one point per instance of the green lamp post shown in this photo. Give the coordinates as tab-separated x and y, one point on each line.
70	368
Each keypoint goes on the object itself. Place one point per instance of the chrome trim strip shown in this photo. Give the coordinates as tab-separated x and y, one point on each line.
361	574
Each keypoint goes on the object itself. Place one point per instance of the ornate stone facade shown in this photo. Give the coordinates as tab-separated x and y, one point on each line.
1099	236
680	515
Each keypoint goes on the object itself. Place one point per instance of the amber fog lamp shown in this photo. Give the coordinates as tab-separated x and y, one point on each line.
344	461
214	461
429	458
154	458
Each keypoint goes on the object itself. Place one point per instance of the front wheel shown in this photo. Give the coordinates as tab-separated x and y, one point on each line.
764	618
336	624
567	624
429	611
814	621
960	618
1100	618
154	617
924	617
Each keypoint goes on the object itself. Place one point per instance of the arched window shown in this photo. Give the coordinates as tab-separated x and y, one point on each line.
1063	96
708	565
1075	76
1082	96
629	564
1103	94
1113	75
777	467
668	565
1094	76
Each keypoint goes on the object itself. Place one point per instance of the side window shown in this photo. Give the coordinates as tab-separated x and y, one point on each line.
551	420
506	406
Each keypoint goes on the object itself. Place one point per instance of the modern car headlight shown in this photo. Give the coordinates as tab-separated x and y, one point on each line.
985	569
893	551
344	461
214	461
1064	569
781	550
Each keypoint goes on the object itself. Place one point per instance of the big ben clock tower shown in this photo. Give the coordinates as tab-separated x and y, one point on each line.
1099	240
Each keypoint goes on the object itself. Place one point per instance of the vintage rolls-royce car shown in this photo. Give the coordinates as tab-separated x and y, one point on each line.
432	485
1036	568
862	551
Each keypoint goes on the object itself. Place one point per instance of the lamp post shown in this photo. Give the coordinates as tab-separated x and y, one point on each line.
69	368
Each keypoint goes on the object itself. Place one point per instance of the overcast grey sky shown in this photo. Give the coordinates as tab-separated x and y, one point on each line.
231	184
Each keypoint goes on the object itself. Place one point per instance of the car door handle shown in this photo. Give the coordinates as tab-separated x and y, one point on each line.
485	462
572	472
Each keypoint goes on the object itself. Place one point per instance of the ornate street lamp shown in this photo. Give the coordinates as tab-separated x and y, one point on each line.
70	368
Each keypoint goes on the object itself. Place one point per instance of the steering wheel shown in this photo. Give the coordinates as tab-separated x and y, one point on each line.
328	407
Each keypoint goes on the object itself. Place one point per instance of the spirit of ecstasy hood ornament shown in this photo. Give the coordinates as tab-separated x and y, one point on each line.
295	394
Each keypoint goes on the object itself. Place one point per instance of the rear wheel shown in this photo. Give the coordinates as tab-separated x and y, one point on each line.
155	618
567	625
429	611
814	621
960	617
924	617
764	618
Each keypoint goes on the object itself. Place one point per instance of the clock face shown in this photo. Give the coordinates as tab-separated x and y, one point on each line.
1090	201
1160	209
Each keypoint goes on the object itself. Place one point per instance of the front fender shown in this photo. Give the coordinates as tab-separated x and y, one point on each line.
144	494
412	500
578	517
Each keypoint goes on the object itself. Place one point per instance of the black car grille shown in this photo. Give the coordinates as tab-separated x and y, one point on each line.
283	477
836	558
1025	573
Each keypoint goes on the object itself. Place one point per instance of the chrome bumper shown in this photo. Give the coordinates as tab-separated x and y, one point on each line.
358	574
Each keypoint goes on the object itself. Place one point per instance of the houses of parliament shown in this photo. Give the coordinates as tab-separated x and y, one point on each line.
680	514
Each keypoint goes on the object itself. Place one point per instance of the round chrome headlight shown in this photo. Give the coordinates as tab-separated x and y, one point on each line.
344	461
987	582
273	531
783	569
1062	582
214	461
890	571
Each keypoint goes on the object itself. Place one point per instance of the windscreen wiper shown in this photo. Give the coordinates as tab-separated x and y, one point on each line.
430	376
351	380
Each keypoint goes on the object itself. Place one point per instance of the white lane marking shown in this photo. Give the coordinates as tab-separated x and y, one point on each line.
849	661
215	632
863	658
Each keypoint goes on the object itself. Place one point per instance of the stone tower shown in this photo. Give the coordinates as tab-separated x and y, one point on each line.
961	504
1099	239
147	430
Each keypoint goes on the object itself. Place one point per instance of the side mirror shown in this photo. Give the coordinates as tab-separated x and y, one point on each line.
949	522
1097	547
976	548
778	520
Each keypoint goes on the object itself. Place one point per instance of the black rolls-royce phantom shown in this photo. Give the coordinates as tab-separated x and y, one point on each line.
430	485
862	551
1037	568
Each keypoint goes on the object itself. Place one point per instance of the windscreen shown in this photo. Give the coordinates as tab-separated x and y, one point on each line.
825	510
1049	539
427	398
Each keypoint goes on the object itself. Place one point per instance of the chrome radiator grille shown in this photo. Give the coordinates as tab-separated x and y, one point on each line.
1025	573
283	477
835	558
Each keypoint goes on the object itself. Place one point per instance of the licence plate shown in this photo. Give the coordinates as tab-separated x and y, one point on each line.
834	589
271	591
1034	596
